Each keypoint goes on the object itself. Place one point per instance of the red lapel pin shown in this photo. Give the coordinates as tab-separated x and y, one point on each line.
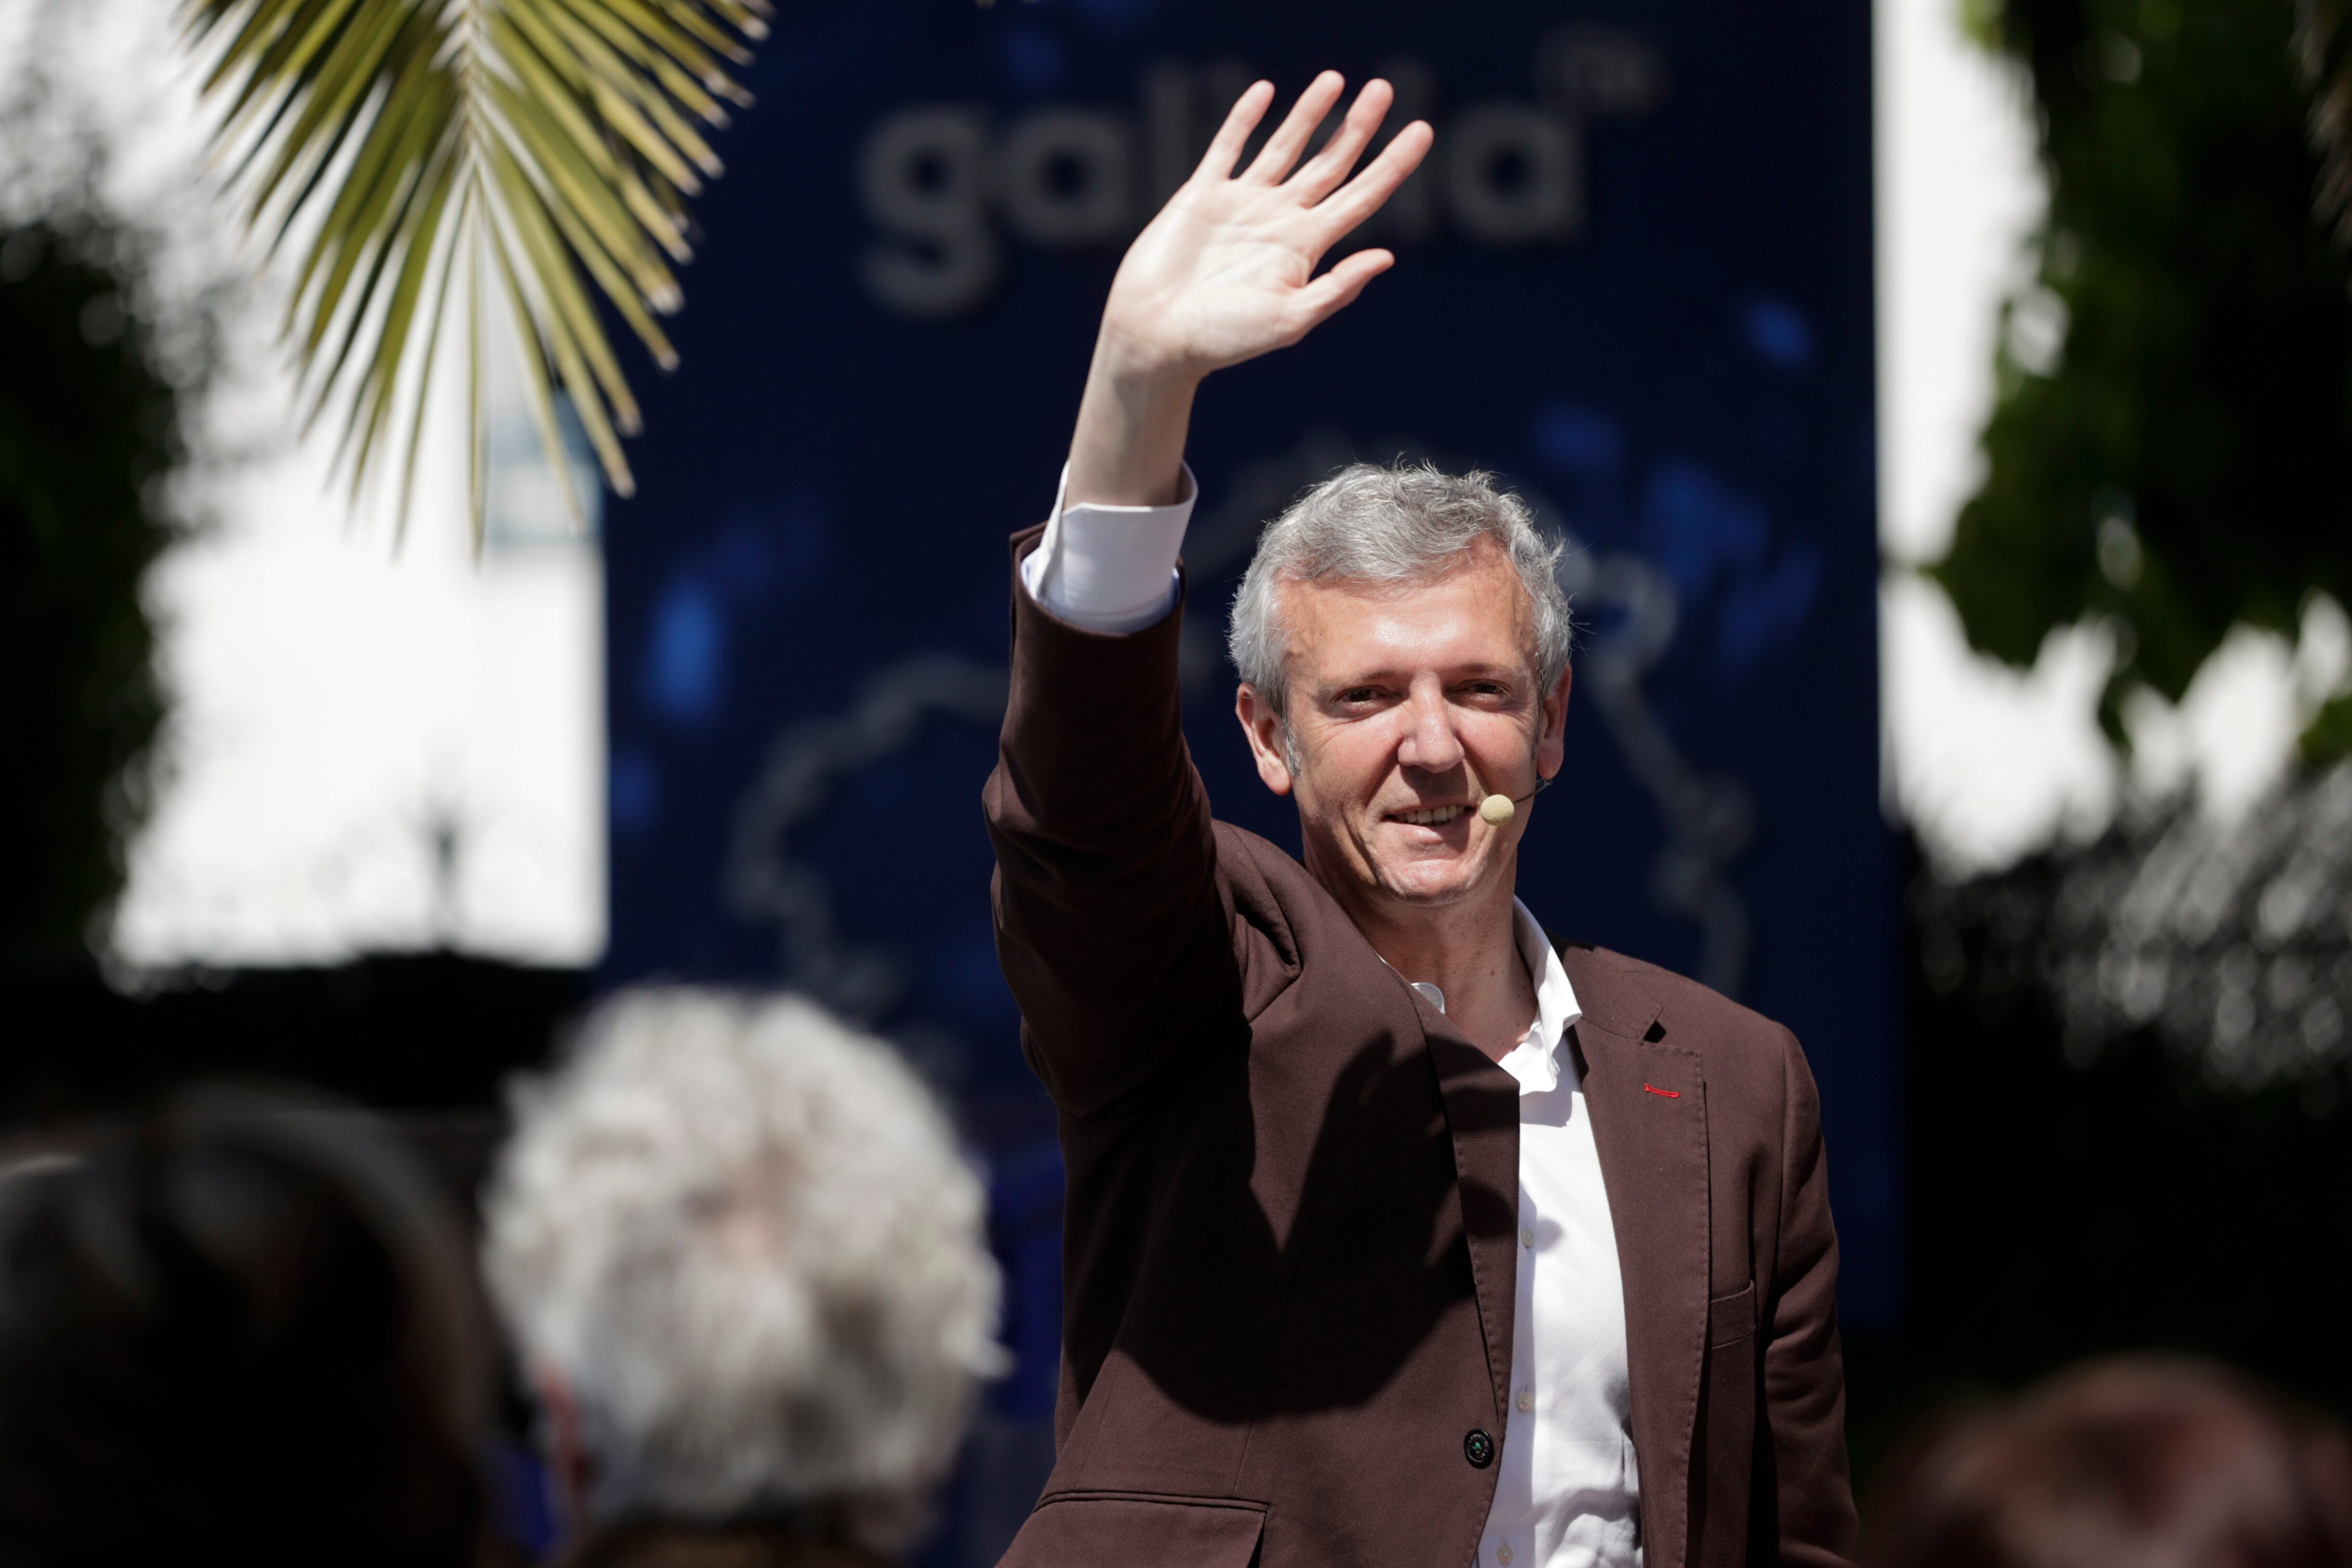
1669	1093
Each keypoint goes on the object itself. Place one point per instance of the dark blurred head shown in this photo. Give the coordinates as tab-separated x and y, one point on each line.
2130	1463
242	1332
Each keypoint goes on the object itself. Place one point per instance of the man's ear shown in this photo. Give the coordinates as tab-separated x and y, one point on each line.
1263	726
1551	745
564	1436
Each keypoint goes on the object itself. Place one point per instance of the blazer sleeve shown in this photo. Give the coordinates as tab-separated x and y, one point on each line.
1804	1371
1109	924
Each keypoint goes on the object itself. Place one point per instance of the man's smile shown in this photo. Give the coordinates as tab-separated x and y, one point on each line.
1427	816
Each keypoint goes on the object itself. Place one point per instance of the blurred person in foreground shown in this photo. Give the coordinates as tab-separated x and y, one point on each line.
1399	1231
2134	1462
747	1266
240	1332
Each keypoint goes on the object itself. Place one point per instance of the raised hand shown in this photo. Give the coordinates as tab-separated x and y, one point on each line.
1226	273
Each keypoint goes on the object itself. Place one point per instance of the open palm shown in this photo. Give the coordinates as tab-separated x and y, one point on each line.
1226	271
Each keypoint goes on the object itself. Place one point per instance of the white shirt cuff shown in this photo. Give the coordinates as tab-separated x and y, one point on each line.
1110	569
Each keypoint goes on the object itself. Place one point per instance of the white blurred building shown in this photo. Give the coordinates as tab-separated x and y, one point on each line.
377	741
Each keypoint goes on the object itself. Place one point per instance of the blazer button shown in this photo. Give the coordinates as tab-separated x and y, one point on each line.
1478	1448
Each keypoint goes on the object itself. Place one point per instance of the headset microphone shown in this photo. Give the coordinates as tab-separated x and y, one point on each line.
1497	811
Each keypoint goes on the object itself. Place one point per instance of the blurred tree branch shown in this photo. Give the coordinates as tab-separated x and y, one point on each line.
2171	449
414	149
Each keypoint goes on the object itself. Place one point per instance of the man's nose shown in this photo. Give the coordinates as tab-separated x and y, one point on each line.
1430	744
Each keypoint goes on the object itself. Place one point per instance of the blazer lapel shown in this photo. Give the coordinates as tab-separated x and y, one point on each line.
1482	1113
1648	1102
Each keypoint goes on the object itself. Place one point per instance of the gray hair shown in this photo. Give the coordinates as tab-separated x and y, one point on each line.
1390	527
744	1236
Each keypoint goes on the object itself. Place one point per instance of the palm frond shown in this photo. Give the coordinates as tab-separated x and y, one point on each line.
410	148
2325	44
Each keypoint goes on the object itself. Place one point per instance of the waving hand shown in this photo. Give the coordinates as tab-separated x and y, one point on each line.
1227	272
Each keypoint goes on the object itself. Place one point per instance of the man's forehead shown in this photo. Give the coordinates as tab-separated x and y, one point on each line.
1474	615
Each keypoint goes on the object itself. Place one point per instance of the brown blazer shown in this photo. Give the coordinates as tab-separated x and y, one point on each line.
1293	1189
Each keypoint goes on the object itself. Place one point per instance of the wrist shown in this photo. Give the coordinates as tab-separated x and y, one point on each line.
1138	370
1128	449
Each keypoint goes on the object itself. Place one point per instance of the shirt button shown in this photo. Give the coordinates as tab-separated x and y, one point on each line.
1503	1554
1526	1399
1526	1236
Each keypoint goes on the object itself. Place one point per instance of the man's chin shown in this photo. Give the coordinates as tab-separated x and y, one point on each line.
1427	885
1422	875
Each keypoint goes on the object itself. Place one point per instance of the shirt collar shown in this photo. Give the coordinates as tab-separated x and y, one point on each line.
1536	1060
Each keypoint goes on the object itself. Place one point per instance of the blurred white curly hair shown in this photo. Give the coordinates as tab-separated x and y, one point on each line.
742	1235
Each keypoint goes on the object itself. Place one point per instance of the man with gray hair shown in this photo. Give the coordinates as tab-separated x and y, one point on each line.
1397	1234
747	1267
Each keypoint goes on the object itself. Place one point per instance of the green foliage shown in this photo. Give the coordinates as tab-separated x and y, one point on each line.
88	421
456	146
2329	733
2184	461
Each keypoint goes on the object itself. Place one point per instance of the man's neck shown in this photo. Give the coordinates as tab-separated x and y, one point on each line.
1469	951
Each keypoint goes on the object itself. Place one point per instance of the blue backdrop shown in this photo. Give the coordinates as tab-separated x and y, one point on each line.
1635	279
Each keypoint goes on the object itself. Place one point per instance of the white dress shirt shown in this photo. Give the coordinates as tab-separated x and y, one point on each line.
1110	569
1569	1490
